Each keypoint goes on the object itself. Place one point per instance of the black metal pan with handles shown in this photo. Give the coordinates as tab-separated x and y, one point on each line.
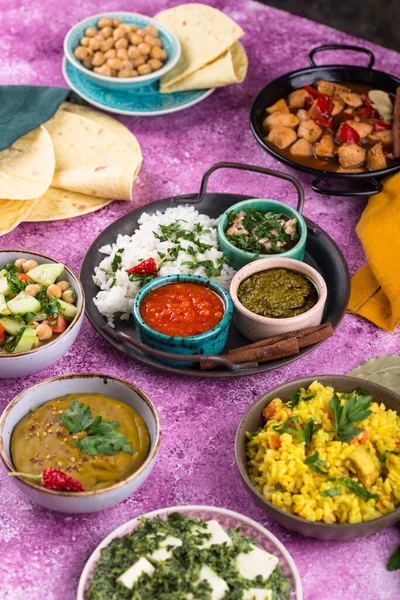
327	182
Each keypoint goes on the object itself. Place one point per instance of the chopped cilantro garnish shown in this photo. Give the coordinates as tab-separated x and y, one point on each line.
354	410
316	464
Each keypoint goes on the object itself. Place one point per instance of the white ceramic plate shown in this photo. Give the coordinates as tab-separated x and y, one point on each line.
227	519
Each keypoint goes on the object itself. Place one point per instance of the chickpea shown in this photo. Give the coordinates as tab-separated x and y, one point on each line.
127	64
144	48
159	53
144	69
117	22
89	51
119	33
107	32
133	52
29	264
53	291
121	43
133	27
32	289
99	36
114	72
122	54
150	40
85	41
140	60
63	285
115	63
36	342
90	32
141	32
44	332
125	72
98	59
95	44
104	22
155	64
69	296
136	39
107	44
87	63
110	54
19	262
152	30
157	42
103	70
81	52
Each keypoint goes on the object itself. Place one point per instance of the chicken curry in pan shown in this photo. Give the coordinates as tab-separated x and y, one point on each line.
333	127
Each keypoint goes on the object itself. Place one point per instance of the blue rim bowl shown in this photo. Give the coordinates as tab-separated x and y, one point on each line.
169	41
210	342
239	258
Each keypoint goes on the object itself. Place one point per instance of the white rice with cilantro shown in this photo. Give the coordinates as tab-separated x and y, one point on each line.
187	239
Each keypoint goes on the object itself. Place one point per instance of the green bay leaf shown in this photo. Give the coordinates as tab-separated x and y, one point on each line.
384	370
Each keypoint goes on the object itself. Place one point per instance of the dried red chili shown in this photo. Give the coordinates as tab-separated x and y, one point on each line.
325	106
312	92
348	135
328	123
146	267
53	479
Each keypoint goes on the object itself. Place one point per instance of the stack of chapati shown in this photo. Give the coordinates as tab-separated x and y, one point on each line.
75	163
211	54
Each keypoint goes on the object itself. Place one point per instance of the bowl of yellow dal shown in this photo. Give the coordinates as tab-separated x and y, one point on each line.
101	431
321	455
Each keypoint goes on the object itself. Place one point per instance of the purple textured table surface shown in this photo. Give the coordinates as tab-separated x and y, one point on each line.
42	553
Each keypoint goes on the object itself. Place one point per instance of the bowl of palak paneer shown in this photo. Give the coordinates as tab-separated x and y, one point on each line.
80	443
277	295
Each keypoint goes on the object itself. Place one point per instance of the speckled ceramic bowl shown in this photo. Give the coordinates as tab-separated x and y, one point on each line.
253	420
38	394
169	41
25	363
210	342
227	519
255	327
239	258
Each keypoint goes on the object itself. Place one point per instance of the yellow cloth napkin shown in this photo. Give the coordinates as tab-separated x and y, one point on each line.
375	288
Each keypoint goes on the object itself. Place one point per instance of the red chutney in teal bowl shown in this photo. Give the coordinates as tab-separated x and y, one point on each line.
182	309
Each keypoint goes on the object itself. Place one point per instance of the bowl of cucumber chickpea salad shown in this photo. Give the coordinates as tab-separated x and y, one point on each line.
41	311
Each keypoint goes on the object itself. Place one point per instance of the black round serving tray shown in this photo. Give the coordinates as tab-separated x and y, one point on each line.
321	253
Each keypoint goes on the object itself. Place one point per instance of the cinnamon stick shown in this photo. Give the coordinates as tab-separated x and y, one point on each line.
265	353
396	125
306	337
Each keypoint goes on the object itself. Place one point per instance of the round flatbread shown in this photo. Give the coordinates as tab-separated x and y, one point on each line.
229	68
57	204
27	167
204	33
91	159
13	212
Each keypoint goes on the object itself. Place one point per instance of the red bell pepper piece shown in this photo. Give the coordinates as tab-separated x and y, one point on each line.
325	106
367	112
348	135
146	267
53	479
24	277
381	126
58	324
312	92
328	123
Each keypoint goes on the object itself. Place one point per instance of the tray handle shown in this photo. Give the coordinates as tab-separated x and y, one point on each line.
255	169
370	188
342	47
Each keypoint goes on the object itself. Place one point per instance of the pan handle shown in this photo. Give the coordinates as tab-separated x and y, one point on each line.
370	188
342	47
255	169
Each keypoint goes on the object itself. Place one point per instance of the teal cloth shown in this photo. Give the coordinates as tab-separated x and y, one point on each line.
25	107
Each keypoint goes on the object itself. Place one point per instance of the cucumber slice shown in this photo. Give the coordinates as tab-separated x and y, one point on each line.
47	273
67	309
5	287
4	310
26	341
23	303
41	316
3	273
12	326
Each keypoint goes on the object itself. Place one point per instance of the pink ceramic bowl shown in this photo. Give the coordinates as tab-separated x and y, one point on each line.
255	327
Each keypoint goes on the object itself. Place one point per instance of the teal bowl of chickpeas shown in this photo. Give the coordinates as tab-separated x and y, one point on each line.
121	50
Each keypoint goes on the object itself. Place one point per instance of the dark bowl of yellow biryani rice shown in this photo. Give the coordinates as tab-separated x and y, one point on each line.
288	486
